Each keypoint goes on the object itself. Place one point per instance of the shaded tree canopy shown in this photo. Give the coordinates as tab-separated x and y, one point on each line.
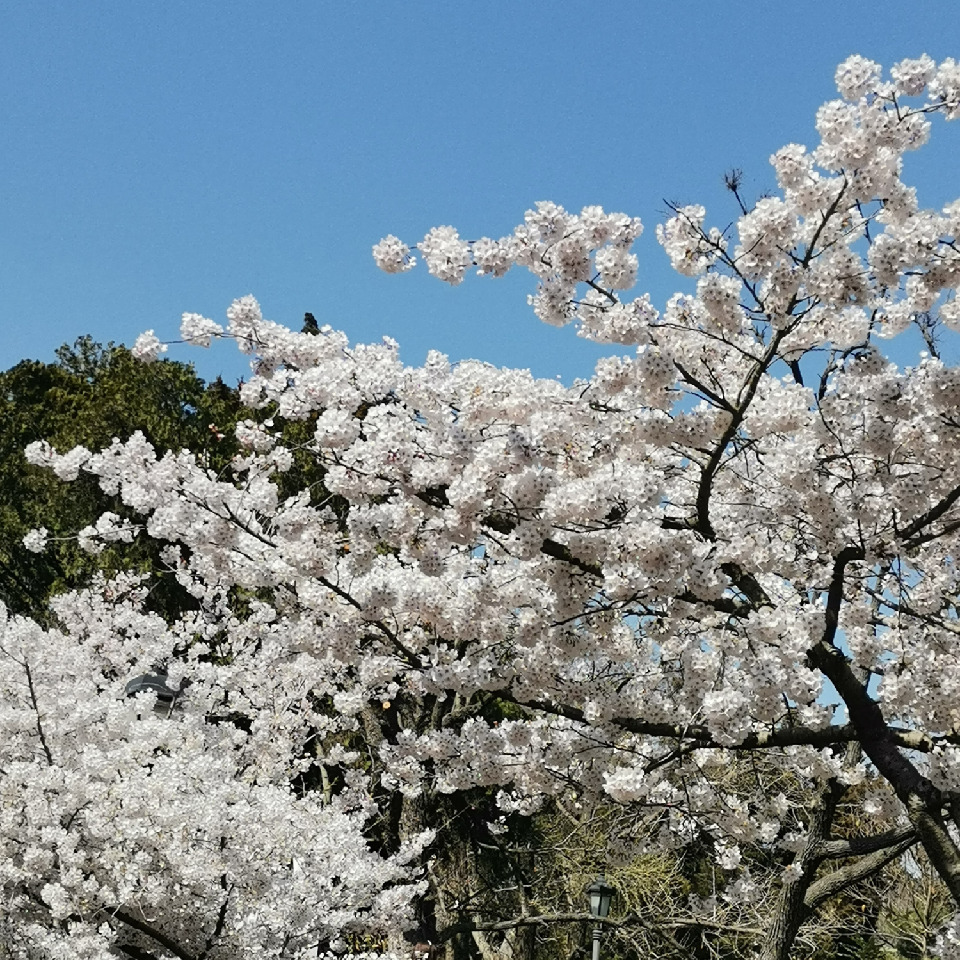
89	396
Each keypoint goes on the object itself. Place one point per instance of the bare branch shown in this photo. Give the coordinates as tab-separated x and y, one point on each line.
36	708
152	932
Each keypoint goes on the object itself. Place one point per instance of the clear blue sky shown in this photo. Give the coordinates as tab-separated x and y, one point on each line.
157	157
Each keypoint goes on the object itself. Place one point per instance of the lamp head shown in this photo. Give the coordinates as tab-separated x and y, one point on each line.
600	893
155	683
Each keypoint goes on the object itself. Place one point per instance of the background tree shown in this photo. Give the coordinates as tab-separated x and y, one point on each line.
89	396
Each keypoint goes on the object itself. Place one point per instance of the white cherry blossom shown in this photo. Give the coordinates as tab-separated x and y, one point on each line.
493	583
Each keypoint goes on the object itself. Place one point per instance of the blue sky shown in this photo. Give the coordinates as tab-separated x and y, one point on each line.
165	157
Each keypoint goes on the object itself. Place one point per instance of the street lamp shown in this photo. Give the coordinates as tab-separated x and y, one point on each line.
600	893
154	683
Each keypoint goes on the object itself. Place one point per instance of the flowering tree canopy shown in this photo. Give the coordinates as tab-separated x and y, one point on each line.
489	583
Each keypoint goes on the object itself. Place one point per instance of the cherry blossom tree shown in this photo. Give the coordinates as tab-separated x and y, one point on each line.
644	589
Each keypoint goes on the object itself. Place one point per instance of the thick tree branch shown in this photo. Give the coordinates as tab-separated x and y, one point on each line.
922	800
221	913
934	513
559	551
790	912
124	916
152	932
713	396
839	880
819	737
859	846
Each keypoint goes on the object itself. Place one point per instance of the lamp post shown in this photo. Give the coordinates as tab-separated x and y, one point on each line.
600	894
154	683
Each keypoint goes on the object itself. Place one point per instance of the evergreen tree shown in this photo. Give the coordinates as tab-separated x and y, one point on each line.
89	396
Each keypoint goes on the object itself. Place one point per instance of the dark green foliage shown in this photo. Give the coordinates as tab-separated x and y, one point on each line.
89	396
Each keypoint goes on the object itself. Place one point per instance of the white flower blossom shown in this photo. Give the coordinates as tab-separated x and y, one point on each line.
198	330
445	254
392	255
148	347
856	77
36	540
